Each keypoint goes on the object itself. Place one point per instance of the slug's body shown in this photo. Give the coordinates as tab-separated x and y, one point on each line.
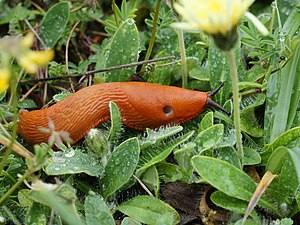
141	104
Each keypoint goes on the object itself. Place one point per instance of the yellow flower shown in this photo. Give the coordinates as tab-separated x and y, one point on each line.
215	17
27	41
31	60
4	78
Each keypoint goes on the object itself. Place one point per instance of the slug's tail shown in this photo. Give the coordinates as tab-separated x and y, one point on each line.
211	103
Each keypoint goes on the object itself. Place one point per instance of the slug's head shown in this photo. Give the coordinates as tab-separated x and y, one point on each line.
153	105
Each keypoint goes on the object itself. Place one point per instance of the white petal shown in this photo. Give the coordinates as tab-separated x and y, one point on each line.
262	29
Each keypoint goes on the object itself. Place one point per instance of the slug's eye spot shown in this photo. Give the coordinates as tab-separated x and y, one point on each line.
168	110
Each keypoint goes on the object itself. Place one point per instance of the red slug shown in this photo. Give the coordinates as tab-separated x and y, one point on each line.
141	104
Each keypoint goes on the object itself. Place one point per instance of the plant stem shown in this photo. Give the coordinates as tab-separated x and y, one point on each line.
183	58
13	102
11	215
236	105
115	13
271	26
15	186
151	43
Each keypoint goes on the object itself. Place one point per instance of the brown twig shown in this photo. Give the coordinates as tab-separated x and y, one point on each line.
35	33
16	147
67	52
279	68
143	185
29	91
45	47
88	73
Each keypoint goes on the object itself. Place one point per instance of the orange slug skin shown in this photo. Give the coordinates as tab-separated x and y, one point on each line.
141	104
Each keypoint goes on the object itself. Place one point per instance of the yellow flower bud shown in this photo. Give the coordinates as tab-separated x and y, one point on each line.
4	78
27	41
41	58
26	63
32	59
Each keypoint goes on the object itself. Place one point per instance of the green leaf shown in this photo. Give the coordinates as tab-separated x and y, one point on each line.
2	95
228	139
285	221
129	221
295	96
296	122
37	214
121	53
210	137
73	162
116	122
248	222
128	9
295	156
154	136
289	139
251	76
27	104
96	211
235	182
120	166
272	93
251	156
229	154
13	166
283	189
149	210
206	122
53	24
285	8
290	27
183	157
168	172
15	13
160	75
289	95
61	96
199	73
151	179
157	153
61	199
230	203
219	71
249	122
276	160
23	199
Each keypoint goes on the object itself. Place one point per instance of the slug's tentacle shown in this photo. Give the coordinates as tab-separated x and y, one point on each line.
142	105
211	103
215	91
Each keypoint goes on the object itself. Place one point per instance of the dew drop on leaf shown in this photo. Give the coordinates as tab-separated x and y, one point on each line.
70	153
58	157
